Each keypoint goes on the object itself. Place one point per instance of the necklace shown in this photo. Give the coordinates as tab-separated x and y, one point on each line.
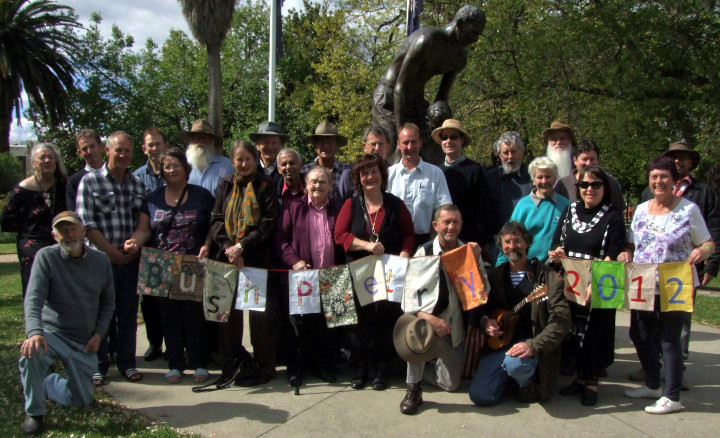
46	193
374	237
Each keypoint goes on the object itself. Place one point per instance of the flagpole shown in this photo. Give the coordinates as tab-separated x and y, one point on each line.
408	17
273	61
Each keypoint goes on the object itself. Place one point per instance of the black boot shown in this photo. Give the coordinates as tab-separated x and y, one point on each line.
413	399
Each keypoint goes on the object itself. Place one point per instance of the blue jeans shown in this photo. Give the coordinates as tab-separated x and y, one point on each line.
126	308
75	391
491	377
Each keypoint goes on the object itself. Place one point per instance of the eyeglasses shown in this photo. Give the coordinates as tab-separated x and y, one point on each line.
450	137
596	185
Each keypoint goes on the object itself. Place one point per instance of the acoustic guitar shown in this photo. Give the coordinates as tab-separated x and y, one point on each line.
507	319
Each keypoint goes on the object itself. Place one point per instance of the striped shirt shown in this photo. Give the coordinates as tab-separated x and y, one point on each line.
109	206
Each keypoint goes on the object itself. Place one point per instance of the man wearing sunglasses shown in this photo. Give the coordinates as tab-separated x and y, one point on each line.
587	153
466	181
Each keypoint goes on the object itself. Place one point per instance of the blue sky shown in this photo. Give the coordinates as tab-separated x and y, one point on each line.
140	18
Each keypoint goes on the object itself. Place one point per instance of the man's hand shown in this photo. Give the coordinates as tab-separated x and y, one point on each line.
520	350
116	256
93	344
34	343
300	266
492	328
204	252
707	278
440	326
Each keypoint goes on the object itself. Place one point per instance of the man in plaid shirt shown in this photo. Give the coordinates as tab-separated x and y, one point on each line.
108	201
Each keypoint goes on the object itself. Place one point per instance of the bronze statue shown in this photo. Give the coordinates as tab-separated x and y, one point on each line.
427	52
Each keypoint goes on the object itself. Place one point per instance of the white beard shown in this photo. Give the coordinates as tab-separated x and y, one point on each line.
562	159
70	248
511	169
513	256
200	158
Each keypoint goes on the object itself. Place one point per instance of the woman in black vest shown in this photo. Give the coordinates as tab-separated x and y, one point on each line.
373	222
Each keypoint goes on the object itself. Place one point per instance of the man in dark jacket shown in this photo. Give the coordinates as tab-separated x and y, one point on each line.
533	347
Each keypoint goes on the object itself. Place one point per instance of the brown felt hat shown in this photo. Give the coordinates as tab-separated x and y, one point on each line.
680	147
326	129
200	126
452	124
415	339
558	126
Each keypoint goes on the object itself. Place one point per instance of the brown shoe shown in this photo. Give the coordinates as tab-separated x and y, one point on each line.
528	394
413	399
637	376
684	386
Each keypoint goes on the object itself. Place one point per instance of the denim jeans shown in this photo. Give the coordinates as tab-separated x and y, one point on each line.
491	377
75	391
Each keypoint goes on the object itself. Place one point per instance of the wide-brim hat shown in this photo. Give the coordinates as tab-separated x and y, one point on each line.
415	340
558	126
681	146
326	129
67	216
451	124
200	126
269	128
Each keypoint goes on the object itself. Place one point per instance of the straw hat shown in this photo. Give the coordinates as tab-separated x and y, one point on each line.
558	126
451	124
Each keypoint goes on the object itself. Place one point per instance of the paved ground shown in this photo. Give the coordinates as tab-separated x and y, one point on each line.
337	410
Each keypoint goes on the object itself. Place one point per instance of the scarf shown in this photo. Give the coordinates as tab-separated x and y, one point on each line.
241	211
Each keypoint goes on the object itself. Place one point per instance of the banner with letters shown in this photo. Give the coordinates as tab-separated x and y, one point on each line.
676	287
577	277
336	295
421	284
369	280
188	278
220	284
155	274
608	285
304	290
641	281
252	289
395	268
468	279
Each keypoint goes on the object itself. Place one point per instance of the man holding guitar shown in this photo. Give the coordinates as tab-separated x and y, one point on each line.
525	341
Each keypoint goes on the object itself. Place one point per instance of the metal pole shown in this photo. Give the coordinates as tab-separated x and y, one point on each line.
273	61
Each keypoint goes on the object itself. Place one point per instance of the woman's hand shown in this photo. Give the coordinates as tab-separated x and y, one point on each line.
699	255
238	262
625	256
233	252
131	246
204	252
557	255
376	248
300	266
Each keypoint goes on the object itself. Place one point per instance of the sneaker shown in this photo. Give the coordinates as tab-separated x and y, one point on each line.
663	406
643	392
32	425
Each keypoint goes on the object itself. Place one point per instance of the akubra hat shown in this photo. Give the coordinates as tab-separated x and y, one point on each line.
200	126
415	340
451	124
681	146
269	128
326	129
558	126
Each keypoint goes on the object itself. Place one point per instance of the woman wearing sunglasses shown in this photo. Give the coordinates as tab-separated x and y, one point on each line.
593	229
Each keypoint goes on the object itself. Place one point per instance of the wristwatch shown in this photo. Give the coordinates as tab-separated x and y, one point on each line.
239	245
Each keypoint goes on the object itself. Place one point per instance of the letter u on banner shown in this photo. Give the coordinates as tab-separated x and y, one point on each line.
368	280
467	278
155	273
640	283
676	286
220	284
188	278
421	284
304	291
395	268
608	285
252	289
577	276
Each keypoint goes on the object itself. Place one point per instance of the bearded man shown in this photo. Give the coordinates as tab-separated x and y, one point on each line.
560	142
207	168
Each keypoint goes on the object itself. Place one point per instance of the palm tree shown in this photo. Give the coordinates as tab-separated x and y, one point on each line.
36	48
209	22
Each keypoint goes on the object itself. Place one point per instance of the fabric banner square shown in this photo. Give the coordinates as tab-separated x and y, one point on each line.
467	278
421	284
676	286
395	268
304	290
640	281
188	279
608	285
220	284
336	294
577	277
252	289
155	273
368	280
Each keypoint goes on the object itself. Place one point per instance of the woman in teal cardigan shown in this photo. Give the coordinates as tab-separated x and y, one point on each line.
540	210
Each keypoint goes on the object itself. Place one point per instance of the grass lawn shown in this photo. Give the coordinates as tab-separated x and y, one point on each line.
8	248
104	418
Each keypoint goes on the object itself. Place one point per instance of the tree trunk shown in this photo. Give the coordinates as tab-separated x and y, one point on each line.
215	91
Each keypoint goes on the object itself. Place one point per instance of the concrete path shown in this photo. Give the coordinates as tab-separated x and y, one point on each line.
332	410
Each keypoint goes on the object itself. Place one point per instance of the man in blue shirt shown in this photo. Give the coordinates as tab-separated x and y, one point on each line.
207	168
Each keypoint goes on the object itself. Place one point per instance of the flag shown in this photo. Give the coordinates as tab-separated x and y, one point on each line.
640	281
155	272
220	284
577	276
336	295
413	15
188	278
469	280
394	268
252	289
304	290
368	280
421	284
676	286
608	285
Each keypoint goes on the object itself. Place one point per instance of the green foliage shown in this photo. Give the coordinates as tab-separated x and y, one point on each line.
10	172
